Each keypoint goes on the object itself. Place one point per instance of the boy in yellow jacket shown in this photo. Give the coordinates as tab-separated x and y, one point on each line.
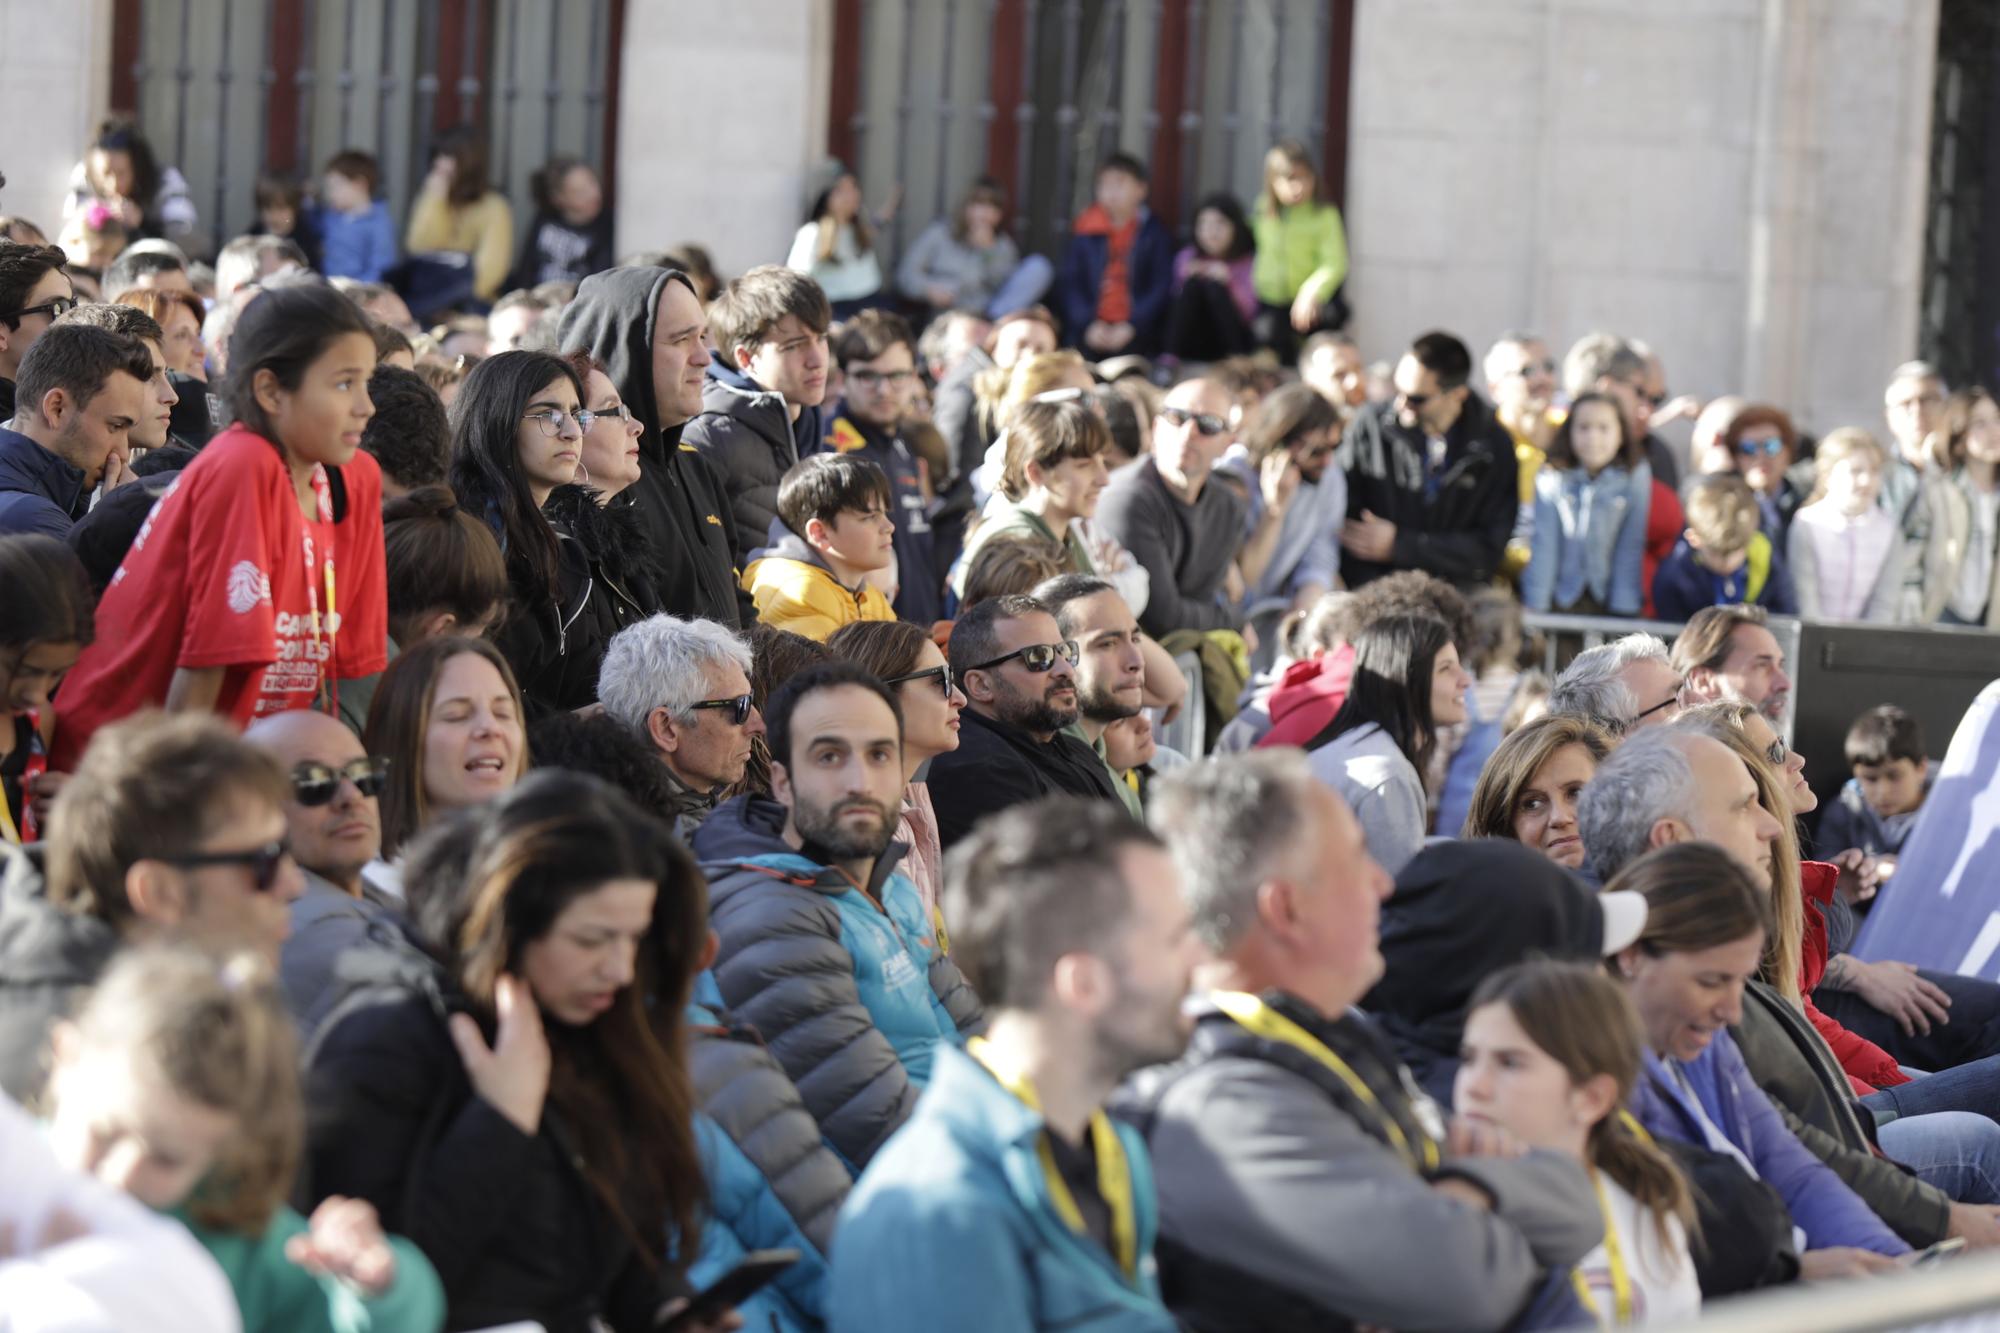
813	578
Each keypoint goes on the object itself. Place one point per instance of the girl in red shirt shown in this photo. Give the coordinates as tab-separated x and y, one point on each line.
257	581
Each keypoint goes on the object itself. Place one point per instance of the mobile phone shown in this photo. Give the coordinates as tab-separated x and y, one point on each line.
1938	1253
738	1285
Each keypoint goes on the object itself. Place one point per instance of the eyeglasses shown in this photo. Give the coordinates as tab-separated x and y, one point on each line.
551	420
1416	401
1667	702
1770	448
263	862
622	412
1205	422
869	379
55	309
1037	657
739	707
941	673
316	784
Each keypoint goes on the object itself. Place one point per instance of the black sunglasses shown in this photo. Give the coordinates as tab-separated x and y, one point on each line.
317	784
739	707
55	309
1037	657
1205	422
941	673
263	862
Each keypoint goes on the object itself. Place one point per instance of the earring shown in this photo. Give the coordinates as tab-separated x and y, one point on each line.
582	473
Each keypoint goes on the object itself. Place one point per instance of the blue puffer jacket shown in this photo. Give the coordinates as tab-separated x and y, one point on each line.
772	1182
853	998
1821	1204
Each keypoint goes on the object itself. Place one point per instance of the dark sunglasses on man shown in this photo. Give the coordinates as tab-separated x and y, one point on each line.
738	708
317	784
1039	658
263	863
1205	422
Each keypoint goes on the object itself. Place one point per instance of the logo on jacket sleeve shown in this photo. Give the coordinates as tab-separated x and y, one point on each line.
247	586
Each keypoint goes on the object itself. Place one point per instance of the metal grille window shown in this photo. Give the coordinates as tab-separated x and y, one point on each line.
1959	328
934	93
228	90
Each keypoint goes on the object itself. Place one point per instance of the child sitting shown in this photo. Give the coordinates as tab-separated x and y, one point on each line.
281	211
1847	553
814	578
1591	504
1722	559
357	235
1877	806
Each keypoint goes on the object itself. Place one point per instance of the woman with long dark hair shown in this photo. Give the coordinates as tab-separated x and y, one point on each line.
1215	298
121	174
1407	684
518	431
47	619
522	1108
458	212
836	246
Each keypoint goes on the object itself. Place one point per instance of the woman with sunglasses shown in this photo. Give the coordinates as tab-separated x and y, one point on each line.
1763	445
518	431
905	659
449	719
46	620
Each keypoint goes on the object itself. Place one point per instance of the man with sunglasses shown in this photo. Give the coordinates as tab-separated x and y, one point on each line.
334	825
1184	532
82	392
35	291
1432	481
170	827
1019	674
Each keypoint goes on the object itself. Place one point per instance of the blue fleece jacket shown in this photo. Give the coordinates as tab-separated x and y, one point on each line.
361	246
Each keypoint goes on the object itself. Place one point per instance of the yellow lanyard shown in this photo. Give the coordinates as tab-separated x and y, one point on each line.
1114	1178
1614	1255
8	833
1268	1023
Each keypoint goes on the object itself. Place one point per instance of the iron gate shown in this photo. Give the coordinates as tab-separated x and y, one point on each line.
1959	323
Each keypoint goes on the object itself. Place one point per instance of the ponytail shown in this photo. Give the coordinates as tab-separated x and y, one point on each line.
1621	1149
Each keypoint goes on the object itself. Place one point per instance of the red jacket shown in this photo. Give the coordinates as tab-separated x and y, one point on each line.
1868	1066
1307	697
1664	522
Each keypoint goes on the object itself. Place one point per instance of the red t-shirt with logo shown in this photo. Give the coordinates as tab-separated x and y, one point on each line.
225	573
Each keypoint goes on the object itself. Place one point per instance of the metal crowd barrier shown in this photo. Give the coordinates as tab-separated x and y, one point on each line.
1962	1294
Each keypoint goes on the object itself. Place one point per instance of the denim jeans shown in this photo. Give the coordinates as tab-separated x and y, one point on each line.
1954	1150
1972	1087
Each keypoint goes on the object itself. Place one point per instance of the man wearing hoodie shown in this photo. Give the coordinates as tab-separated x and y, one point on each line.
826	948
646	328
1117	274
832	532
760	408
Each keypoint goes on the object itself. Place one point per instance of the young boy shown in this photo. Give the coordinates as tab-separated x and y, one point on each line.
1117	274
1722	559
281	211
1878	805
357	236
838	529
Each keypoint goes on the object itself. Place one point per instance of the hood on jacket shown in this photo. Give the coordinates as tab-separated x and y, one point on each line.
781	543
1094	221
1307	696
612	318
40	943
1463	910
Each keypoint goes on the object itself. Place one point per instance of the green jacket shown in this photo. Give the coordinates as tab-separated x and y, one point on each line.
277	1296
1298	249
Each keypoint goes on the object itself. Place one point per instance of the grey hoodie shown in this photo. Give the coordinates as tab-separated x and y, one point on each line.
48	959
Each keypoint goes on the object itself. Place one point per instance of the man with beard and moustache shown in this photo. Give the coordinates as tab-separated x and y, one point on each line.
1018	671
825	948
1110	672
1011	1201
1729	653
1305	1181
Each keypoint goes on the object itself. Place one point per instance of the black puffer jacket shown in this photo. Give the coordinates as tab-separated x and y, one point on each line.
513	1228
745	433
49	959
680	500
605	581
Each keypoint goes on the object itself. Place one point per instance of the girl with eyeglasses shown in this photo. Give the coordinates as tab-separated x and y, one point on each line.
257	583
1592	500
178	1084
905	659
46	621
518	435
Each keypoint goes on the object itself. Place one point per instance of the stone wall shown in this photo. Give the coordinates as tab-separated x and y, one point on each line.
55	65
1741	182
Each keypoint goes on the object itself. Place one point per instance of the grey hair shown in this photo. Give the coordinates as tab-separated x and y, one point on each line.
241	262
1227	822
1597	356
1647	778
662	662
1592	685
1916	370
1511	338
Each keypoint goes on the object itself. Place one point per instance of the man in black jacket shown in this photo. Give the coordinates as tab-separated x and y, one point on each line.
645	326
1431	476
1019	678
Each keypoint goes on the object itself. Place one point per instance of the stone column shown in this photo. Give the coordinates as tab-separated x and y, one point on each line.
55	62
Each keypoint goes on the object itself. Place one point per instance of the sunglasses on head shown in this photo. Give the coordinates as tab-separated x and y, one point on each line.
1205	422
739	707
1770	448
317	784
263	863
942	674
1038	657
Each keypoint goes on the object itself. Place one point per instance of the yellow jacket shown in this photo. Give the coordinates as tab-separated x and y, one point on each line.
803	596
483	229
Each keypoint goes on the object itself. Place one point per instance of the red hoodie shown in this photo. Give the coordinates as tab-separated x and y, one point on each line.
1867	1065
1307	697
